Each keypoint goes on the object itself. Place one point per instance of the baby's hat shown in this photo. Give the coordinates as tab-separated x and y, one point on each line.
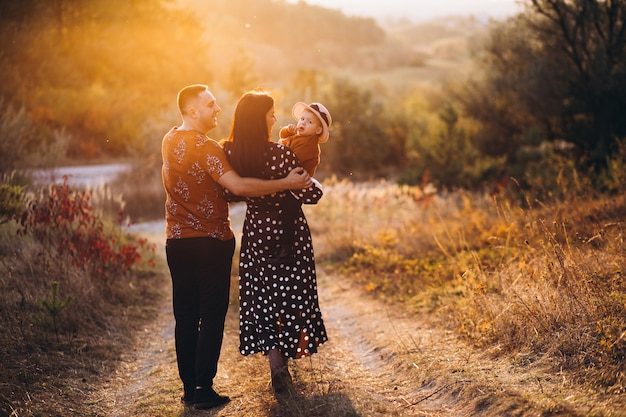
320	111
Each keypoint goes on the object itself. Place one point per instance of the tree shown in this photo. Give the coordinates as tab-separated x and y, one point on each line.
98	68
304	83
242	76
516	87
556	73
589	36
358	141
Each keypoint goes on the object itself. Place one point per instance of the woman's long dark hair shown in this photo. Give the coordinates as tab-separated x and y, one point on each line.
249	135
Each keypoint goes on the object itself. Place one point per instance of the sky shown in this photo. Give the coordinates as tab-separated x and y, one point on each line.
420	10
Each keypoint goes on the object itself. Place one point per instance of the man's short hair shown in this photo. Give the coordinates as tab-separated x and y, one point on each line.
187	94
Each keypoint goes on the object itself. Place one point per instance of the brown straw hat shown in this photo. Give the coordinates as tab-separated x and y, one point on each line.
320	111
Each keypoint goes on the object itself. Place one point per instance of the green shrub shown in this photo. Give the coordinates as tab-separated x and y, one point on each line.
11	202
52	306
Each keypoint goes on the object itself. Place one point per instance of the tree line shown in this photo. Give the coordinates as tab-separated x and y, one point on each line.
553	80
545	97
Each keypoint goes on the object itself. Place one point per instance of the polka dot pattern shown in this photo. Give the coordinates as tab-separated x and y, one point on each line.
277	284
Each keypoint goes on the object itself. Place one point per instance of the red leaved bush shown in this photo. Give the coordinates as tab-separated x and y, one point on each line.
72	233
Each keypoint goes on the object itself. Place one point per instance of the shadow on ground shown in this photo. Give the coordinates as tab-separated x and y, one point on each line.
329	405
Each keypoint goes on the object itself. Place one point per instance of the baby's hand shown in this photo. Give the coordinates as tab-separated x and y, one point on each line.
291	128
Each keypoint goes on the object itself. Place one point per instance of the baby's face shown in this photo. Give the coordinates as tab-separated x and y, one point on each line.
309	124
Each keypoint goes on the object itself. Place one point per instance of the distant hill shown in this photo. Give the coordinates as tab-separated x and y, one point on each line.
279	37
422	10
95	71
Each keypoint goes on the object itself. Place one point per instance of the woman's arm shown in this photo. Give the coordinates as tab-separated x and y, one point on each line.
297	179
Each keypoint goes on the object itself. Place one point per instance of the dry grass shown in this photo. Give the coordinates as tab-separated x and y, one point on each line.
543	283
539	289
61	330
142	189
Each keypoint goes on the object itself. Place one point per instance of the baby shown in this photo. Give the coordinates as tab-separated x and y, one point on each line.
303	137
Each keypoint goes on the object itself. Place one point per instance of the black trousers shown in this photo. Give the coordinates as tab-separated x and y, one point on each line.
200	270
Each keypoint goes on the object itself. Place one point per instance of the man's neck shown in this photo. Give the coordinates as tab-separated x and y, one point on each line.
186	125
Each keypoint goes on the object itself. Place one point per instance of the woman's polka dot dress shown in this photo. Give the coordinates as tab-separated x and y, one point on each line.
277	280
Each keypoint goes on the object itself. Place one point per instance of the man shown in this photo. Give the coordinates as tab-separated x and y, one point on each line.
200	241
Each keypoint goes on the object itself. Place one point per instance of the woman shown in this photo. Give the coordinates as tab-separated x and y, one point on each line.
279	311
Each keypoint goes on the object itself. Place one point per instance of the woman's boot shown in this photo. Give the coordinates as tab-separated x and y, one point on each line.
281	379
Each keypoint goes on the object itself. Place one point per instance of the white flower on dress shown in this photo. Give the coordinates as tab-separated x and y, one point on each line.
206	207
214	165
197	172
179	150
182	188
194	222
174	232
201	139
171	206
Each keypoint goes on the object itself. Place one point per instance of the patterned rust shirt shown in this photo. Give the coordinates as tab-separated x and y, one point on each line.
194	204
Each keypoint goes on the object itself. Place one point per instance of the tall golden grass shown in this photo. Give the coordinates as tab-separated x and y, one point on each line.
544	281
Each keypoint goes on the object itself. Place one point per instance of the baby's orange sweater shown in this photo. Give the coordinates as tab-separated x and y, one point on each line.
306	148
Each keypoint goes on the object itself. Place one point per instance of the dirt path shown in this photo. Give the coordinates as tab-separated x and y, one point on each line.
379	361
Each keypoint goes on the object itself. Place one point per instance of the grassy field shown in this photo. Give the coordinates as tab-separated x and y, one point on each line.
540	281
532	282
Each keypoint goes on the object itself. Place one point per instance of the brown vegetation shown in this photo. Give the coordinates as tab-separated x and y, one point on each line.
74	287
544	281
437	305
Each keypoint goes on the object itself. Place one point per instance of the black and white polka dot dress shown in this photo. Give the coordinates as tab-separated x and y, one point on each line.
277	281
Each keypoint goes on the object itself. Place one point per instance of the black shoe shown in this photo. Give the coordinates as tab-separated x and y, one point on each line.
187	402
189	392
206	398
